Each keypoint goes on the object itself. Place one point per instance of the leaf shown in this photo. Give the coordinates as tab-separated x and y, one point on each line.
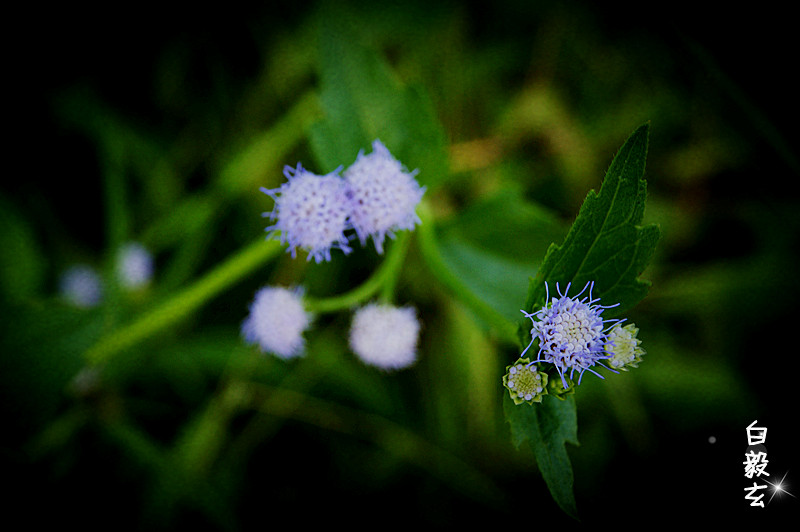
605	243
548	426
363	100
482	247
22	264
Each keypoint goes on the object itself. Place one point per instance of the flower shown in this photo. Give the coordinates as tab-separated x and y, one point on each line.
572	335
383	196
277	321
81	285
385	336
134	265
623	346
311	212
525	383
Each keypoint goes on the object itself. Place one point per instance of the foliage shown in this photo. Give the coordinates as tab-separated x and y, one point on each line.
152	406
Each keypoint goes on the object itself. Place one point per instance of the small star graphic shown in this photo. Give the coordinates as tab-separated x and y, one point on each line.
777	487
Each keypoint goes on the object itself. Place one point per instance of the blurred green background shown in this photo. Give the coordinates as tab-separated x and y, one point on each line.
140	123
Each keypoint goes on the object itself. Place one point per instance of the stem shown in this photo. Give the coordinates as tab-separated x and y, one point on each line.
185	302
384	277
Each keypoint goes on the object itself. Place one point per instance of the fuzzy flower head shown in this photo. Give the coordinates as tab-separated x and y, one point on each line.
524	382
81	286
311	212
277	321
571	332
383	196
385	336
623	346
134	266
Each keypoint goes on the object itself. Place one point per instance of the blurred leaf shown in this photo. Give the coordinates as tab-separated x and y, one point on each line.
495	279
22	266
41	353
253	163
495	245
548	426
364	101
444	273
472	363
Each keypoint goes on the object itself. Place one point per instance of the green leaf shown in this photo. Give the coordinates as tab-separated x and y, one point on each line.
605	244
548	426
363	100
493	260
22	264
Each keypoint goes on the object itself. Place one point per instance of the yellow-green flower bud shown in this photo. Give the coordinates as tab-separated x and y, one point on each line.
624	347
524	382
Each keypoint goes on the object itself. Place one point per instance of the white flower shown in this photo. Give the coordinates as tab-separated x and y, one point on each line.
383	196
134	265
277	321
385	336
81	285
311	212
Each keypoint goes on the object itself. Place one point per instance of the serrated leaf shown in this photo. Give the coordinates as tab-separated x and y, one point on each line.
363	100
548	426
605	243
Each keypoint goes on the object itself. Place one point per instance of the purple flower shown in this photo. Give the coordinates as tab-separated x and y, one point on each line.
572	334
81	285
277	321
311	212
383	196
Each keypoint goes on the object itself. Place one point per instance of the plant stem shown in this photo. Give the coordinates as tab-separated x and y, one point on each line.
185	302
385	277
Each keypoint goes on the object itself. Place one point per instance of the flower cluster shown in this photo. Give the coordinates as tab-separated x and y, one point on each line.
82	286
374	197
383	336
572	337
383	196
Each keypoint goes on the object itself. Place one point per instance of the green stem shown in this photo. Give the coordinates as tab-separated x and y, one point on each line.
385	277
185	302
429	247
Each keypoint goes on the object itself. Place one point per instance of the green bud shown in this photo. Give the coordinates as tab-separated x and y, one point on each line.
624	348
525	383
555	386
